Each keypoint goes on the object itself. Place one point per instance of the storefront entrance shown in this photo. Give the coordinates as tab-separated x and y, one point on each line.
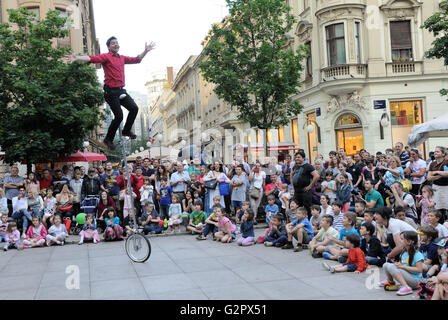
349	134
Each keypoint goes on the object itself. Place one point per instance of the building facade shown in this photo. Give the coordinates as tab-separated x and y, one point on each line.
367	63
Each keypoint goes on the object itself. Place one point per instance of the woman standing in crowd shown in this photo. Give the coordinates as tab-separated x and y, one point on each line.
257	178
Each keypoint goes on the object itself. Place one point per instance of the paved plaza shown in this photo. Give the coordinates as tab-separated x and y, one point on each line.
180	267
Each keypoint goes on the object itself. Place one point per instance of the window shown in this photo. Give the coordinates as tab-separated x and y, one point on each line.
36	12
401	41
357	42
309	61
295	131
64	42
281	134
335	44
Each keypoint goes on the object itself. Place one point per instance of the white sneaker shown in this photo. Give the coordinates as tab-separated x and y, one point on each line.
94	241
48	243
80	242
24	235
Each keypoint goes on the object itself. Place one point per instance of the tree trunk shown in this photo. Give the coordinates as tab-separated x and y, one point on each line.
265	146
29	167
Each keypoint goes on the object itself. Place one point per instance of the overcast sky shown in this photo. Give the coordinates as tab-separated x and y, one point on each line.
176	26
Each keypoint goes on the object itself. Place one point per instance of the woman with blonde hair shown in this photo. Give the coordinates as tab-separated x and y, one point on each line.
64	203
3	202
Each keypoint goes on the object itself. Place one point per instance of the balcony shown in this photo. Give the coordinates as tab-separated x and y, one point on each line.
344	78
404	68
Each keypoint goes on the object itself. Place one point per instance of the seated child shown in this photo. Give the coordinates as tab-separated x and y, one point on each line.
356	261
113	229
360	209
35	236
49	207
175	215
434	217
435	283
348	221
57	232
428	234
400	214
226	229
151	220
247	229
278	234
12	237
3	226
239	214
291	213
301	229
211	224
315	218
408	271
89	231
369	217
146	192
337	215
371	246
128	202
197	219
321	241
270	209
284	196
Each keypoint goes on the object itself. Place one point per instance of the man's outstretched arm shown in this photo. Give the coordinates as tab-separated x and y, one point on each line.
148	47
74	58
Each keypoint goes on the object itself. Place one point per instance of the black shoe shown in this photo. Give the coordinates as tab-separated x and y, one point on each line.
288	246
278	245
129	134
316	255
109	144
298	248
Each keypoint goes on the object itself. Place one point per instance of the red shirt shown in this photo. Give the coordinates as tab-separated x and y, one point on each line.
357	257
44	184
137	183
113	66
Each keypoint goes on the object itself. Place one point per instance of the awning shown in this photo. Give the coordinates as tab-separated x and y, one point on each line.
272	146
85	156
437	128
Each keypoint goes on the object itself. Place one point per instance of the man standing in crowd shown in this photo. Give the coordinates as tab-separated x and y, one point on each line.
91	186
59	181
11	185
114	82
303	178
46	180
109	183
179	180
355	169
402	154
438	174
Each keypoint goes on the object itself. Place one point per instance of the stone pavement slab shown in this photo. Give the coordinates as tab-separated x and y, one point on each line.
180	267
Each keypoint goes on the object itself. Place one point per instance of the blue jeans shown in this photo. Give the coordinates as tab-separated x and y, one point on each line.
207	203
281	239
152	227
373	260
25	215
36	212
3	238
209	228
164	209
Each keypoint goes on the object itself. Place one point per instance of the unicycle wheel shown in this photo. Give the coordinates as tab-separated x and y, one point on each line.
138	247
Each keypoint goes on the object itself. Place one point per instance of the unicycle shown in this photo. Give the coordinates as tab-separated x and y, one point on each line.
137	246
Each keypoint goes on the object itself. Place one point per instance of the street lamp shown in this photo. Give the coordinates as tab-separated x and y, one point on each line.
160	139
308	126
148	144
384	122
141	148
86	144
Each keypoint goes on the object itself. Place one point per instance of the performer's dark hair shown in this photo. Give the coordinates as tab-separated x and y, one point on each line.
109	41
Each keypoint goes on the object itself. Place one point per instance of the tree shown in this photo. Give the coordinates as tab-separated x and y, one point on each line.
47	106
438	25
253	71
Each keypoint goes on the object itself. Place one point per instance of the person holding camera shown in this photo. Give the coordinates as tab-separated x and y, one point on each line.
373	198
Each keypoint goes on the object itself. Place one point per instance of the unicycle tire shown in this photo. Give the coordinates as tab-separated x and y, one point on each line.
138	247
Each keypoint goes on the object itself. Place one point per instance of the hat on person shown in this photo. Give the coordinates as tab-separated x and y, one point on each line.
185	162
441	242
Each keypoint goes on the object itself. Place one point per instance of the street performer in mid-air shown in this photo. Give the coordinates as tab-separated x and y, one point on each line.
114	92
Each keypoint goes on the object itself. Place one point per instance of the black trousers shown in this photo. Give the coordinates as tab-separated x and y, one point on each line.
305	199
112	97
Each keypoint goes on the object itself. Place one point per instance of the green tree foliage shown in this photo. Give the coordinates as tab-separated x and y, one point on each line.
438	25
247	59
47	106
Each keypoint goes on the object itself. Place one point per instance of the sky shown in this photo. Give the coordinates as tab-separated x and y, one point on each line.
176	26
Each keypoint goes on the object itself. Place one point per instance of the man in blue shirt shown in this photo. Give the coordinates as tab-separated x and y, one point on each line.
11	185
179	180
301	229
109	183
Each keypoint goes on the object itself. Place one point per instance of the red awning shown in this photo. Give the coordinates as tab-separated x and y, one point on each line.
271	146
85	156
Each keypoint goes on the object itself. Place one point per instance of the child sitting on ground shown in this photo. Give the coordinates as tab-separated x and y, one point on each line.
151	220
301	229
348	221
197	219
291	214
315	218
356	261
3	226
239	214
49	207
409	270
247	229
12	237
113	229
321	241
57	233
278	234
329	187
35	236
428	247
426	203
434	217
400	214
271	209
360	209
371	246
211	224
337	215
441	268
89	231
226	230
175	215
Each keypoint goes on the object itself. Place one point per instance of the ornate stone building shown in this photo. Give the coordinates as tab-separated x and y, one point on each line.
367	63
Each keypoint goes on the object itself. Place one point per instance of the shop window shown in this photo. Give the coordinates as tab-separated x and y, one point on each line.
403	116
349	134
281	134
335	44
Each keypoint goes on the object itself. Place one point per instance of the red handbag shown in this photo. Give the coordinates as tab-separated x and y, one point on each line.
66	208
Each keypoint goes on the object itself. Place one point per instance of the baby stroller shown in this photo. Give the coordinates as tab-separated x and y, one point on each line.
88	206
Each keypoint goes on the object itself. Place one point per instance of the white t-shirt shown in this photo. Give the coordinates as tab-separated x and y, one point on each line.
323	212
322	235
397	226
416	166
257	181
443	231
